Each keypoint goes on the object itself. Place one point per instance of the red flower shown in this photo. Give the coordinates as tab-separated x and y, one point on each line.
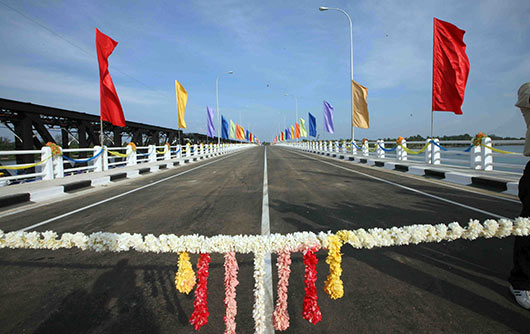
200	314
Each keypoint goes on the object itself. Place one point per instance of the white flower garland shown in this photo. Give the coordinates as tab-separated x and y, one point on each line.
263	244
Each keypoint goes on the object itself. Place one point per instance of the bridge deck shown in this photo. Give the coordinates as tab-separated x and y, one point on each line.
448	287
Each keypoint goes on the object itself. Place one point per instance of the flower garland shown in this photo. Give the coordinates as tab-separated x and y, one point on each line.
200	314
364	141
280	317
185	277
311	310
56	149
133	146
231	269
258	313
333	285
262	244
477	140
399	140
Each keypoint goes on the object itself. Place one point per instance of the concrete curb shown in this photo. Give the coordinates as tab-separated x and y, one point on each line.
502	186
55	191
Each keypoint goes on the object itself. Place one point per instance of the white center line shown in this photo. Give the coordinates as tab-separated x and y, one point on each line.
265	230
407	188
118	196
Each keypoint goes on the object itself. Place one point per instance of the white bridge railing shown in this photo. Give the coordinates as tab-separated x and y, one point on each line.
484	154
54	162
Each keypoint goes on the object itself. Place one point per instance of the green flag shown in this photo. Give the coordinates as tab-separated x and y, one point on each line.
232	129
303	131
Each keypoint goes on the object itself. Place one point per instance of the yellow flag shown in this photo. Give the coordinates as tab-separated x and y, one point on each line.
182	99
360	106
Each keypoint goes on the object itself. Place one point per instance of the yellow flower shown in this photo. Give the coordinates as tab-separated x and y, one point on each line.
185	277
333	285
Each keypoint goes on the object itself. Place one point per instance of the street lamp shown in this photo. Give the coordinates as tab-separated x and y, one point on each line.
217	99
322	9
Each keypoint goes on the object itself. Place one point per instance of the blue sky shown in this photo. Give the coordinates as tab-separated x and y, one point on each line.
274	47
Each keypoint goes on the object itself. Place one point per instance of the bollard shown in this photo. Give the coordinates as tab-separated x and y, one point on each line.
487	154
131	156
46	167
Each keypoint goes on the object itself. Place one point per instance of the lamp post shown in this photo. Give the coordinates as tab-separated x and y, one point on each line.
217	99
351	60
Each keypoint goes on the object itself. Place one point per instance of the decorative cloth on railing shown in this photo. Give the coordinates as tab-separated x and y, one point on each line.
408	150
175	152
56	149
166	148
387	149
77	161
26	165
436	144
356	146
499	151
118	154
261	245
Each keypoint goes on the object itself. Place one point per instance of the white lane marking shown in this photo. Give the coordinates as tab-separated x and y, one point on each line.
407	188
118	196
265	230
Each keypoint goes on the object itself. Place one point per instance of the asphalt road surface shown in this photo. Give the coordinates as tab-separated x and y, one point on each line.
450	287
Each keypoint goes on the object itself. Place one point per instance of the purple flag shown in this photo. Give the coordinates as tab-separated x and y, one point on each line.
328	117
211	128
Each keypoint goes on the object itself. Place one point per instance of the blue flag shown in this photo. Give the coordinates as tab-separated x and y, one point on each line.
328	117
209	124
247	138
224	128
312	125
287	134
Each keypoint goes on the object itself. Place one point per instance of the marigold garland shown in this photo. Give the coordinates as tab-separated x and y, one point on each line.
333	285
399	140
56	149
132	145
231	269
477	140
311	310
280	317
185	277
364	141
200	314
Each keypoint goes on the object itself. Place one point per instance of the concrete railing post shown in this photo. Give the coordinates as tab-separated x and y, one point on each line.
487	154
436	154
401	153
475	157
58	166
46	167
188	150
201	149
131	156
167	152
98	161
379	150
365	150
179	151
428	151
325	146
353	148
152	153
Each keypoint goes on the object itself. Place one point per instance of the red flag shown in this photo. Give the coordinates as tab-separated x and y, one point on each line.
297	131
450	67
111	110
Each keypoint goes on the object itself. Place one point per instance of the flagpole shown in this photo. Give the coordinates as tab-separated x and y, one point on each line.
432	96
101	131
217	100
